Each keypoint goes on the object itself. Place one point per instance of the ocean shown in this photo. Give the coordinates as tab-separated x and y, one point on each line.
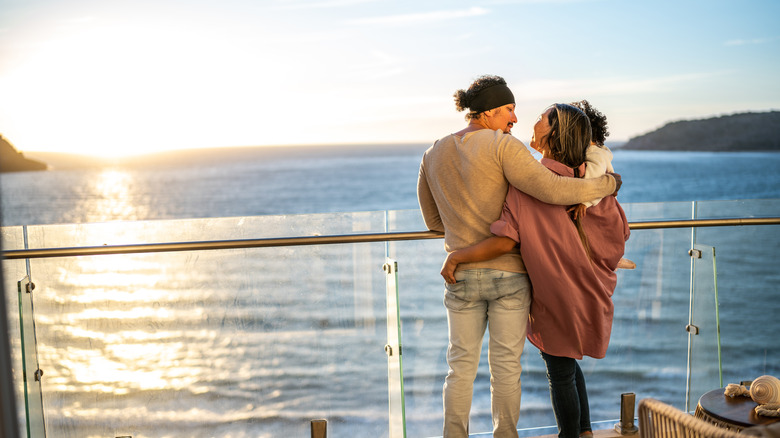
319	179
258	342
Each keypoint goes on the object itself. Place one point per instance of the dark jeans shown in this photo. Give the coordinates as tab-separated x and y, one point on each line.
568	395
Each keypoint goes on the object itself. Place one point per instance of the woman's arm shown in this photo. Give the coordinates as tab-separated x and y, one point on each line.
488	249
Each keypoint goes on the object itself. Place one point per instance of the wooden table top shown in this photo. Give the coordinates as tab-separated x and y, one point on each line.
739	410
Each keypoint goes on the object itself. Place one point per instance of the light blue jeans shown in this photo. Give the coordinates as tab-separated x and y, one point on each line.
499	300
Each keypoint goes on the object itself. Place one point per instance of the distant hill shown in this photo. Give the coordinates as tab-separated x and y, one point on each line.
12	160
733	133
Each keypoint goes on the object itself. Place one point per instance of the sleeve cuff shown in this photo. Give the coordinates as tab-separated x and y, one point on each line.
504	229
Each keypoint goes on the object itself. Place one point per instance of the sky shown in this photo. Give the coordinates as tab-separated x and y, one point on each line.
124	77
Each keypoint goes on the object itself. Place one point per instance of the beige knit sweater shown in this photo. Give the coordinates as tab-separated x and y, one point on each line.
463	182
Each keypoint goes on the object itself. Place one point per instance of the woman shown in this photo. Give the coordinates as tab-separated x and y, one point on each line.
462	185
571	264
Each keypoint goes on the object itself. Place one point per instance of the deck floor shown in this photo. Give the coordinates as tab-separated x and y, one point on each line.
606	433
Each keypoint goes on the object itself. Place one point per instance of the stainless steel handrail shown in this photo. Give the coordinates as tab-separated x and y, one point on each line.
324	240
689	223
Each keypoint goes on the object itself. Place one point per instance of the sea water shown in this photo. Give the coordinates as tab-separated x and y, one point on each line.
152	358
263	181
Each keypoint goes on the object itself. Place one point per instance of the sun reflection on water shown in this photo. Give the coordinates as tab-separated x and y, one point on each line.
113	337
119	323
110	198
176	334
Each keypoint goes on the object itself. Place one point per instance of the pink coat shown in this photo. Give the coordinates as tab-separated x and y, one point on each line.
571	311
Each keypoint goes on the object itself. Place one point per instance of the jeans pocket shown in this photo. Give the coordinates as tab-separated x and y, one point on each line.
513	292
456	296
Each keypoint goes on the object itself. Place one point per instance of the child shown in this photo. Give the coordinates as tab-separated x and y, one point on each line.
599	159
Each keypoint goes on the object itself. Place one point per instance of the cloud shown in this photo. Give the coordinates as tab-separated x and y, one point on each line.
424	17
613	86
380	65
325	4
528	2
732	43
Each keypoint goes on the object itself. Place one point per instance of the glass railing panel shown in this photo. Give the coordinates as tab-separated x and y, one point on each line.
424	333
747	260
399	221
747	257
742	208
657	211
253	342
648	349
195	230
647	354
393	348
13	272
33	400
125	340
423	323
12	238
705	372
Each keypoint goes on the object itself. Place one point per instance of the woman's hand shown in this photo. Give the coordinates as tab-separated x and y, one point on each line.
448	269
577	211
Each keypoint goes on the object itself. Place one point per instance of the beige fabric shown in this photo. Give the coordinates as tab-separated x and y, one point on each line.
599	159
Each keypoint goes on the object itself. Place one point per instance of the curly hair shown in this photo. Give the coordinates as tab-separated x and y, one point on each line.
598	122
463	98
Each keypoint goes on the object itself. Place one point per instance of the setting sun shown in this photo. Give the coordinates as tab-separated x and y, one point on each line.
117	92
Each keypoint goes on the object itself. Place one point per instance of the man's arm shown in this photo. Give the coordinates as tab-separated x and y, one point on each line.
618	181
488	249
533	178
428	207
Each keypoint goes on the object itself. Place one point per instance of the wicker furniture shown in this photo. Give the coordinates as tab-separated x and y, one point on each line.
659	420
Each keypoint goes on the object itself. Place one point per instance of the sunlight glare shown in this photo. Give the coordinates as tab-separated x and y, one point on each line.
115	91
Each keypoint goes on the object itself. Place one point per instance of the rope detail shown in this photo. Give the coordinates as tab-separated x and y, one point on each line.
734	390
769	410
764	390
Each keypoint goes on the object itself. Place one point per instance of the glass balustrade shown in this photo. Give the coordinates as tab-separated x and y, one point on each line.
705	370
31	372
259	341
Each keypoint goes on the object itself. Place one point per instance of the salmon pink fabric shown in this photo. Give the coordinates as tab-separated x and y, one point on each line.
571	311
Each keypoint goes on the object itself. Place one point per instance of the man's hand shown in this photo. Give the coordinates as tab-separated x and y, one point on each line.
448	269
618	182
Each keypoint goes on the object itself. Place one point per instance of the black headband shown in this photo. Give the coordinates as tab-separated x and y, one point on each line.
491	97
